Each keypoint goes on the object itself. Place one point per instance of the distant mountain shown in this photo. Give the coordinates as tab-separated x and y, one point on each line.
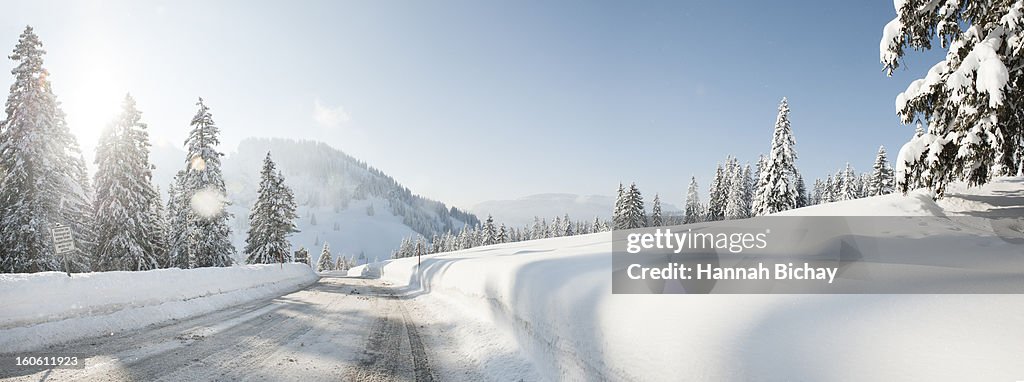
355	208
520	212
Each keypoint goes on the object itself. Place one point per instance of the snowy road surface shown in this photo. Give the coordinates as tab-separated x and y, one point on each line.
337	329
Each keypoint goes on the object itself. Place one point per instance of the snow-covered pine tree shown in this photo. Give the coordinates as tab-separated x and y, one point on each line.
778	190
829	193
208	234
503	236
816	192
634	215
619	212
127	225
735	207
801	191
537	232
325	263
43	182
694	212
718	195
177	223
882	176
848	189
490	232
272	218
340	264
756	203
656	220
568	227
748	191
970	100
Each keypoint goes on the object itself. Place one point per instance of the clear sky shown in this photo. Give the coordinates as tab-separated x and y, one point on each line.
466	101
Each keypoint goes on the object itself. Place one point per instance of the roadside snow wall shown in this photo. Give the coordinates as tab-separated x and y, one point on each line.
42	309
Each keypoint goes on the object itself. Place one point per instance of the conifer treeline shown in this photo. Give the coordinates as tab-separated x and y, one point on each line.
488	233
741	191
122	224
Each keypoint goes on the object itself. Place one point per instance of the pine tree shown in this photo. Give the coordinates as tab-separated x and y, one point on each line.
503	236
801	191
177	223
207	230
340	263
748	191
567	226
970	100
127	224
656	220
848	188
694	213
778	191
718	195
735	207
882	176
325	263
43	182
272	218
829	195
633	206
489	231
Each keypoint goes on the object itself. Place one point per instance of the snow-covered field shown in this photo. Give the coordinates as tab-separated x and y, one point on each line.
551	300
47	308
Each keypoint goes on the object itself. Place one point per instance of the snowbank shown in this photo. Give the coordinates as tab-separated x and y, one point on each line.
42	309
553	296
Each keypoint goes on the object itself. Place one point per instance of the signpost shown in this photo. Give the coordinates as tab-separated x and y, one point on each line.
63	244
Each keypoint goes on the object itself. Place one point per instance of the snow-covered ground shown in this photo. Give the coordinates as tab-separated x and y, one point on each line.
551	300
47	308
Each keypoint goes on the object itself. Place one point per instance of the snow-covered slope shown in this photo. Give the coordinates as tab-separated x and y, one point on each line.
355	208
520	212
551	299
45	308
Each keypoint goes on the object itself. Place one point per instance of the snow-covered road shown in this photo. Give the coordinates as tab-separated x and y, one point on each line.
337	329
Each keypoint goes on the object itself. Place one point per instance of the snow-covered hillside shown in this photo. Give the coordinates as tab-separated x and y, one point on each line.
551	299
355	208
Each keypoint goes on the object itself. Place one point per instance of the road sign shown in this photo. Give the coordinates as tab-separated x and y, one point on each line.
63	242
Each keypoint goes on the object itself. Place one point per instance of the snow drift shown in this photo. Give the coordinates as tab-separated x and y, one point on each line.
42	309
553	298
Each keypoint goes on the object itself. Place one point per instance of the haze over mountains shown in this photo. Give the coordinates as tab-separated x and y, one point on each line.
520	212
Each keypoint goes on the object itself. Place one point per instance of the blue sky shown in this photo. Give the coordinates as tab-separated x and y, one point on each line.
466	101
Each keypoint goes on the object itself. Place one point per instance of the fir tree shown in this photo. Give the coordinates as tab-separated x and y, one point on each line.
489	231
778	191
272	218
207	230
43	182
656	220
882	176
325	263
693	211
503	236
748	191
177	223
735	207
801	191
848	188
127	224
970	100
718	196
633	209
